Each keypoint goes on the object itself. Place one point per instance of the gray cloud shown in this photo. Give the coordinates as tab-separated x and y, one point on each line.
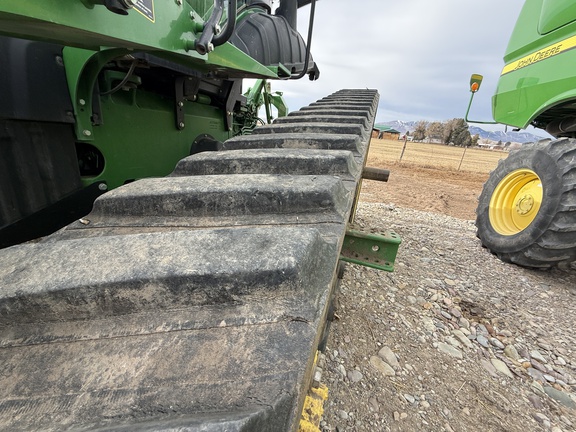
419	54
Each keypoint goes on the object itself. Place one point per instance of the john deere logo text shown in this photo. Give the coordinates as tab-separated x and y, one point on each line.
543	54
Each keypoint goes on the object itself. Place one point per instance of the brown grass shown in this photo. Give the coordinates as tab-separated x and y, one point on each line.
434	156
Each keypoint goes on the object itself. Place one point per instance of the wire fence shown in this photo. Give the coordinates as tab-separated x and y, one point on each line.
436	155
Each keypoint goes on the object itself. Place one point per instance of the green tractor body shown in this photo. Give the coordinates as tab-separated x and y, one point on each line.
527	209
537	85
95	96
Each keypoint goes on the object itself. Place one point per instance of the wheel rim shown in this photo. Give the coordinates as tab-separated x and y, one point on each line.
515	202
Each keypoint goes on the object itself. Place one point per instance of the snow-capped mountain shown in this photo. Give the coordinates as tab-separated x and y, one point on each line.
399	125
509	136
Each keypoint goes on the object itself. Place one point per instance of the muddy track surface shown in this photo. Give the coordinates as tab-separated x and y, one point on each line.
192	301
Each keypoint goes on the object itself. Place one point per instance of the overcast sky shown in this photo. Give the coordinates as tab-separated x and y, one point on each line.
419	54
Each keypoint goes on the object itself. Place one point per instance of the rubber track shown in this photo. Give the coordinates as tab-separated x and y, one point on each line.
193	301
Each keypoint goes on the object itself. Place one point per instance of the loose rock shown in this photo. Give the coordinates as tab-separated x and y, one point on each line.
382	366
389	357
472	364
560	396
501	367
450	350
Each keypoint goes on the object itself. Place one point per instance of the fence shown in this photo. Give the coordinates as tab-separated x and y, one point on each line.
435	155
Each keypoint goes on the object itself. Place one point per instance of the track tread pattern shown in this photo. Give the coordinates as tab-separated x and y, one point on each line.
192	301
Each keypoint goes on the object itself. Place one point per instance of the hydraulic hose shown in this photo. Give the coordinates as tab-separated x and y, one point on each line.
124	80
224	35
308	43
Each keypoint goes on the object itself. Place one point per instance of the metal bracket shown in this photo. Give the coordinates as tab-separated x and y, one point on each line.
186	90
234	95
371	250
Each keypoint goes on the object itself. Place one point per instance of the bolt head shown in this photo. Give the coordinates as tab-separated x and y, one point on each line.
86	132
181	124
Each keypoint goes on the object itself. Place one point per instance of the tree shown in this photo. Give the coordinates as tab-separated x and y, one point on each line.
460	133
449	126
475	140
435	130
420	130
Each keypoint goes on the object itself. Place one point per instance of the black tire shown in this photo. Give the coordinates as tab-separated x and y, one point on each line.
550	238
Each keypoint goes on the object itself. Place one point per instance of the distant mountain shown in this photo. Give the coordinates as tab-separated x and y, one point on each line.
510	136
400	126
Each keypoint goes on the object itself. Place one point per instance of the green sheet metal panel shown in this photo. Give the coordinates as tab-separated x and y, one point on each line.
555	14
173	28
538	71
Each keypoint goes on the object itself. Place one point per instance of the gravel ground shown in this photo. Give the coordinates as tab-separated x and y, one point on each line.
453	340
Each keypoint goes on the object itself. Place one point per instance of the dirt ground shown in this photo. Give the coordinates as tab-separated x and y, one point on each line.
453	193
453	340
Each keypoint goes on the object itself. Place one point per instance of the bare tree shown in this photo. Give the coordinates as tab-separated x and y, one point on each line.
449	128
420	130
475	139
435	130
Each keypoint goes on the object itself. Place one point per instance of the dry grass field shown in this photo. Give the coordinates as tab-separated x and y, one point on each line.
436	155
428	178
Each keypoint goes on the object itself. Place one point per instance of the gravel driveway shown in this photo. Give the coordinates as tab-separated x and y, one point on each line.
453	340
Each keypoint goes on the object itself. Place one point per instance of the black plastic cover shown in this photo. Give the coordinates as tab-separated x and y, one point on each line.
271	41
38	168
33	82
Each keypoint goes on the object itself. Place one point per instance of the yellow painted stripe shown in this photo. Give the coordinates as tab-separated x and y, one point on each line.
313	409
543	54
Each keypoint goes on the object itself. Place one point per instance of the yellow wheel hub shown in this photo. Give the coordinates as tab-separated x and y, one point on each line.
515	202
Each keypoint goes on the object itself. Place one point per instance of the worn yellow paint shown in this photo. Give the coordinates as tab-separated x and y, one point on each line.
313	409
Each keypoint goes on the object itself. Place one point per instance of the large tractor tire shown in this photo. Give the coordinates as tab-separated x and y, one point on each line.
527	210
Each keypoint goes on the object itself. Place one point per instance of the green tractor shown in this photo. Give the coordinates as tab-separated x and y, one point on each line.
527	209
192	278
104	92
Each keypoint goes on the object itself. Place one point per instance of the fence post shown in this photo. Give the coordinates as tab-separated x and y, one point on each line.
403	148
462	158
